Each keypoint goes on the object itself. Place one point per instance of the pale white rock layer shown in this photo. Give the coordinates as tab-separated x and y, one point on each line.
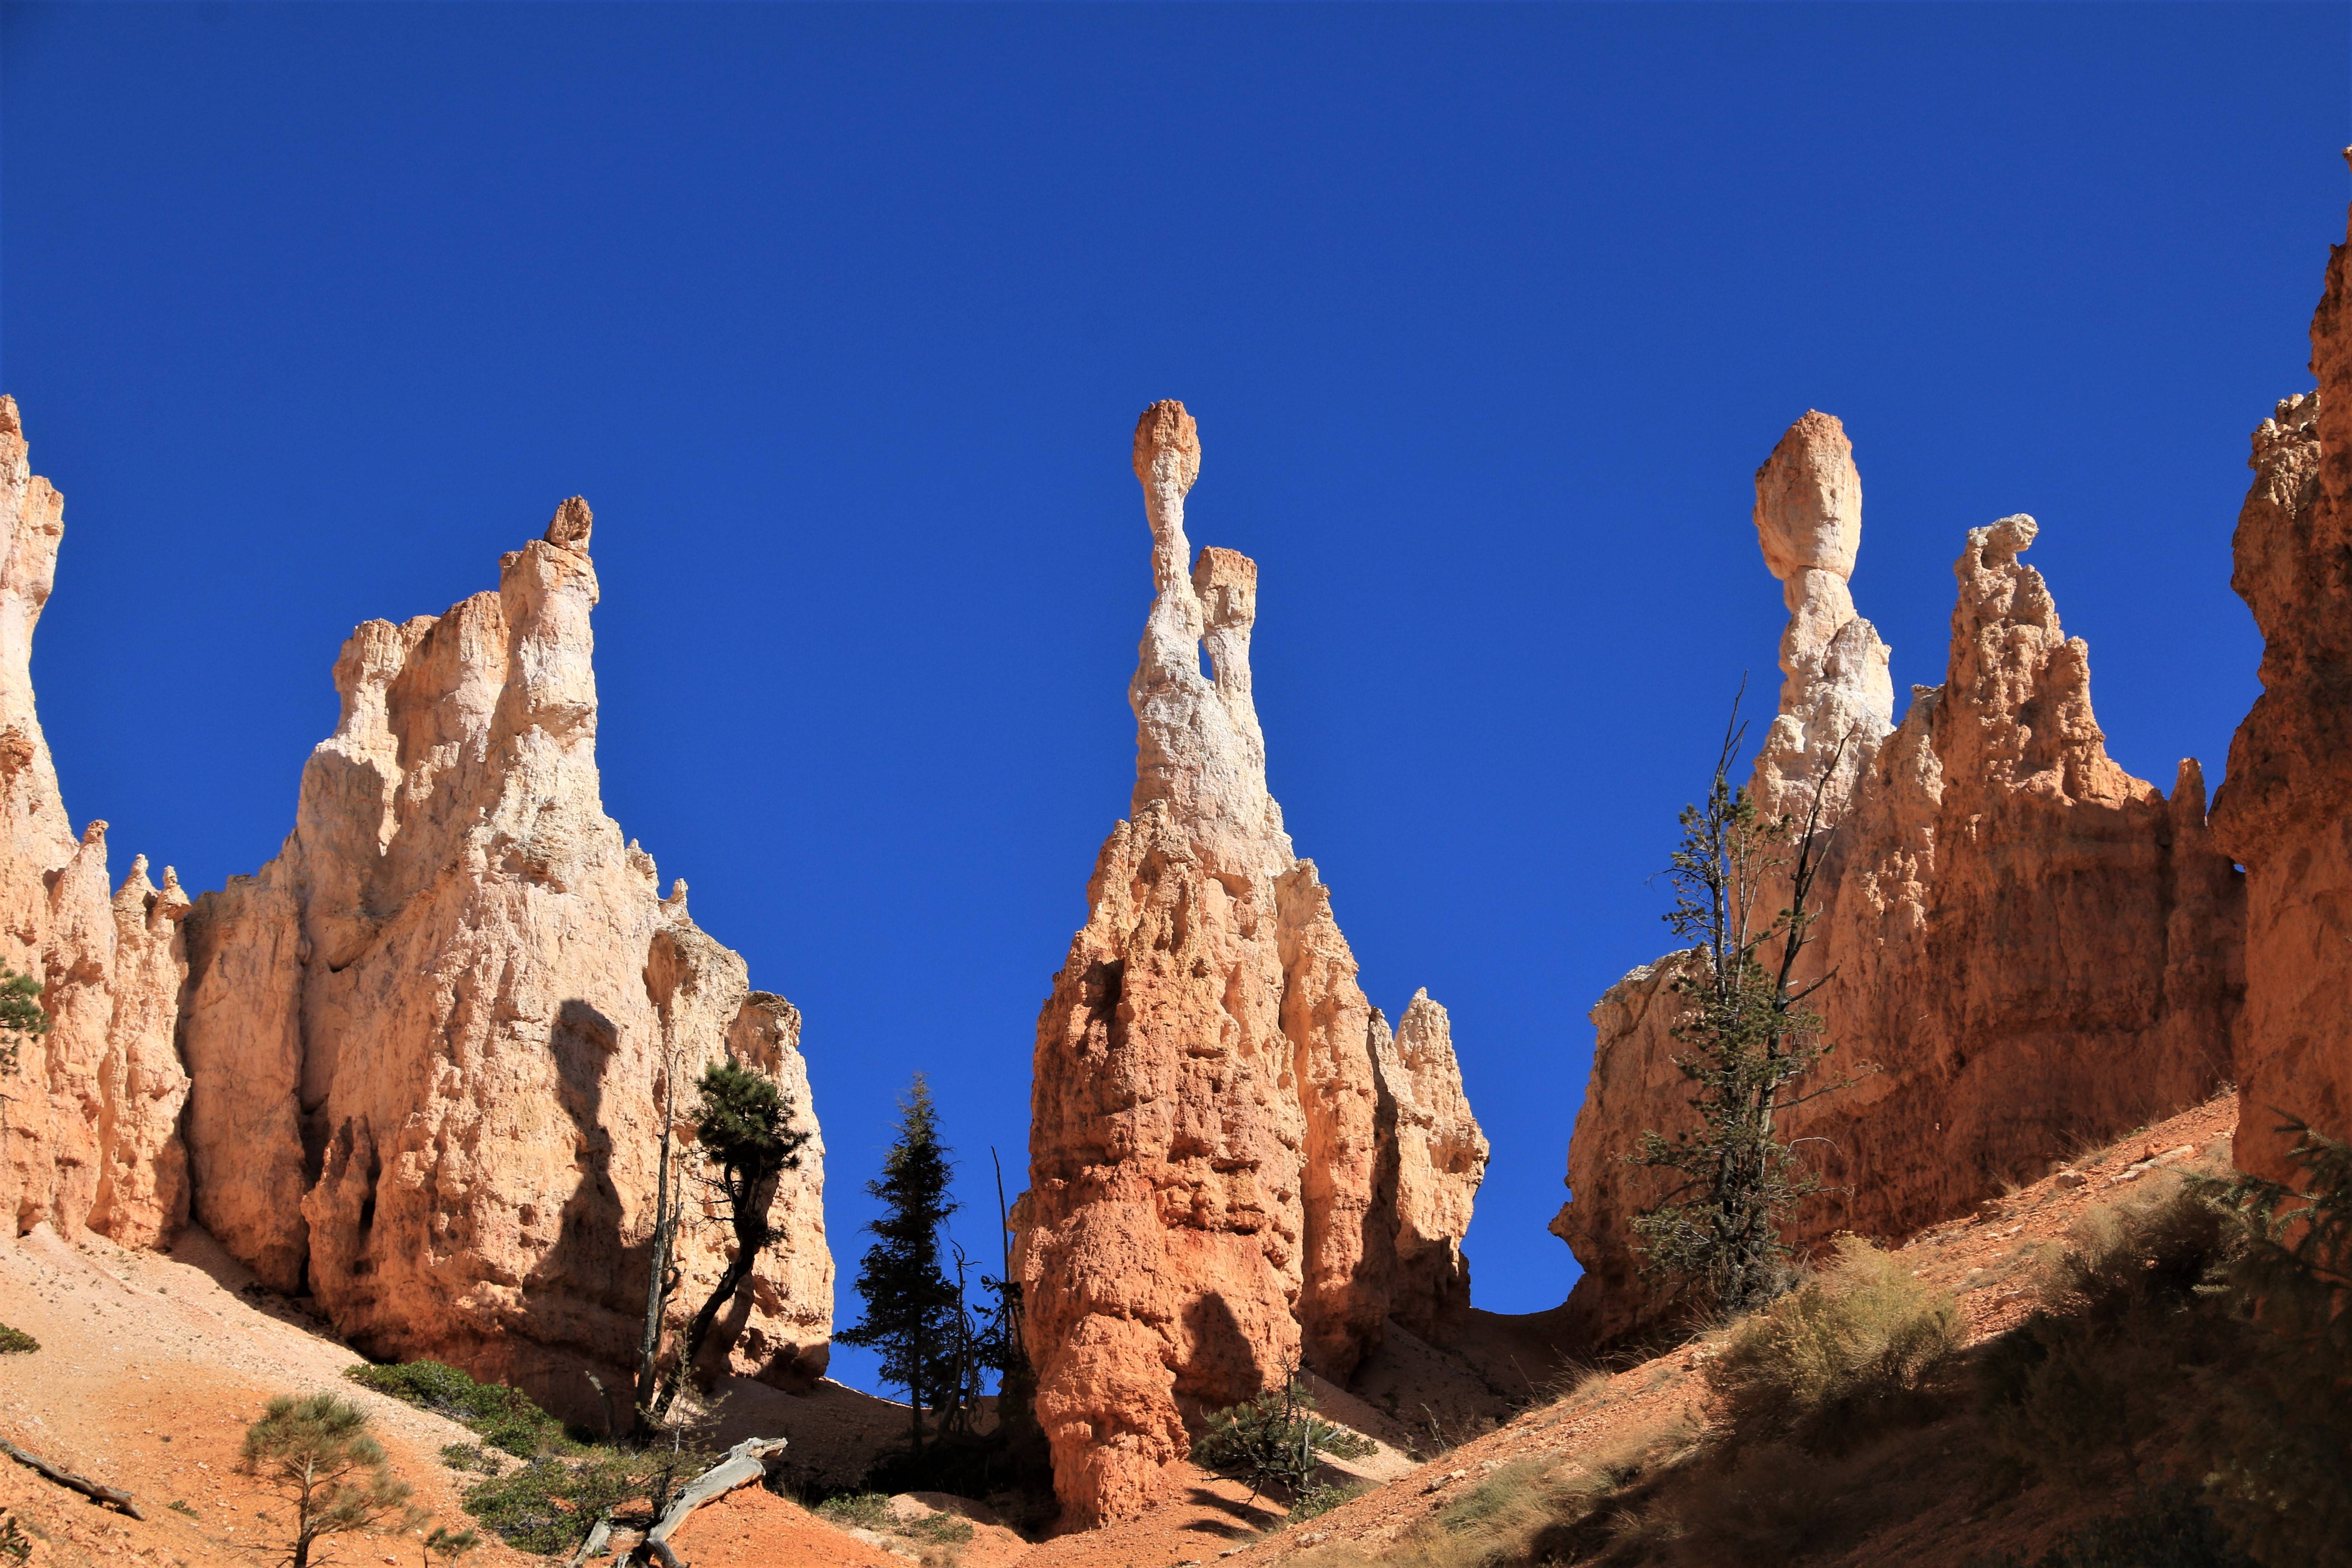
1837	698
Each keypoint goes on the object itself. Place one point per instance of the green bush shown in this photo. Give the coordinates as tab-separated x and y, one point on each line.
14	1544
857	1510
468	1456
1320	1499
1849	1352
17	1342
1275	1439
551	1504
505	1417
938	1530
2156	1248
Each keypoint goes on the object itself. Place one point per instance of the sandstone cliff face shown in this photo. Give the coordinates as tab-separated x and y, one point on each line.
1225	1169
429	1039
2286	811
2027	944
88	1125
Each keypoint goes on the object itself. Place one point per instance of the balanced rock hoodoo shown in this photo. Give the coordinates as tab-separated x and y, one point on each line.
1236	1169
432	1042
89	1132
2024	943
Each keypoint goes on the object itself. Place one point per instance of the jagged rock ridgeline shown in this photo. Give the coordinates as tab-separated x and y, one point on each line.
89	1122
2285	810
432	1041
1235	1168
2029	945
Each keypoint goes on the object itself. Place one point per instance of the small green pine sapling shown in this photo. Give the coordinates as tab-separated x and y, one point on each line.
315	1452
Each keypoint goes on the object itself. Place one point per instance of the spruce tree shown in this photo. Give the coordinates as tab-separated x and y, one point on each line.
911	1305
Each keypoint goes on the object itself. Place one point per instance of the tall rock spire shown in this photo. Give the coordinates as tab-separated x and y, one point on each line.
88	1136
1836	698
1215	1146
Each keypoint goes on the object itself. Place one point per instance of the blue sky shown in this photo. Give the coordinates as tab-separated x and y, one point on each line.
841	318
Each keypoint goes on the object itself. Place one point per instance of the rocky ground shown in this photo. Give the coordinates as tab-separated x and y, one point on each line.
151	1366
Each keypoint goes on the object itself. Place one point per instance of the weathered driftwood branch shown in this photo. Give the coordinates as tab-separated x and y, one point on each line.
88	1488
745	1464
594	1546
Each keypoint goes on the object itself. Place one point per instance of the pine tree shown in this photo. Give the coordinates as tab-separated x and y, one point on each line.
316	1453
911	1306
1750	1041
744	1130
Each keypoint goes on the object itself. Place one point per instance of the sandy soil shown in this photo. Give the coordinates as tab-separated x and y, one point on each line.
151	1366
150	1369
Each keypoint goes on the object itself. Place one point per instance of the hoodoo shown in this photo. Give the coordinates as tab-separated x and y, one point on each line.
2023	945
434	1041
88	1125
1236	1169
2284	808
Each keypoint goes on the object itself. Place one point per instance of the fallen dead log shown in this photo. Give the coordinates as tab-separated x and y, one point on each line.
89	1488
745	1464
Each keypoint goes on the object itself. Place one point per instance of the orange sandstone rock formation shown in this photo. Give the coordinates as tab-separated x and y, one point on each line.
89	1122
2027	943
430	1040
1432	1158
2286	811
1234	1168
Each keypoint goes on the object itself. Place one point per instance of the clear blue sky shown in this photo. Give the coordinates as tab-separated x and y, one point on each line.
841	320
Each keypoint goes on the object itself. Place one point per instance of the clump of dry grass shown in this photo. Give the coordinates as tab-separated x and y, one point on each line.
1851	1351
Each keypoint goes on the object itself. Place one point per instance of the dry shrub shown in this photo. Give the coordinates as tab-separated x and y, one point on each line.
2069	1393
1849	1353
2155	1247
